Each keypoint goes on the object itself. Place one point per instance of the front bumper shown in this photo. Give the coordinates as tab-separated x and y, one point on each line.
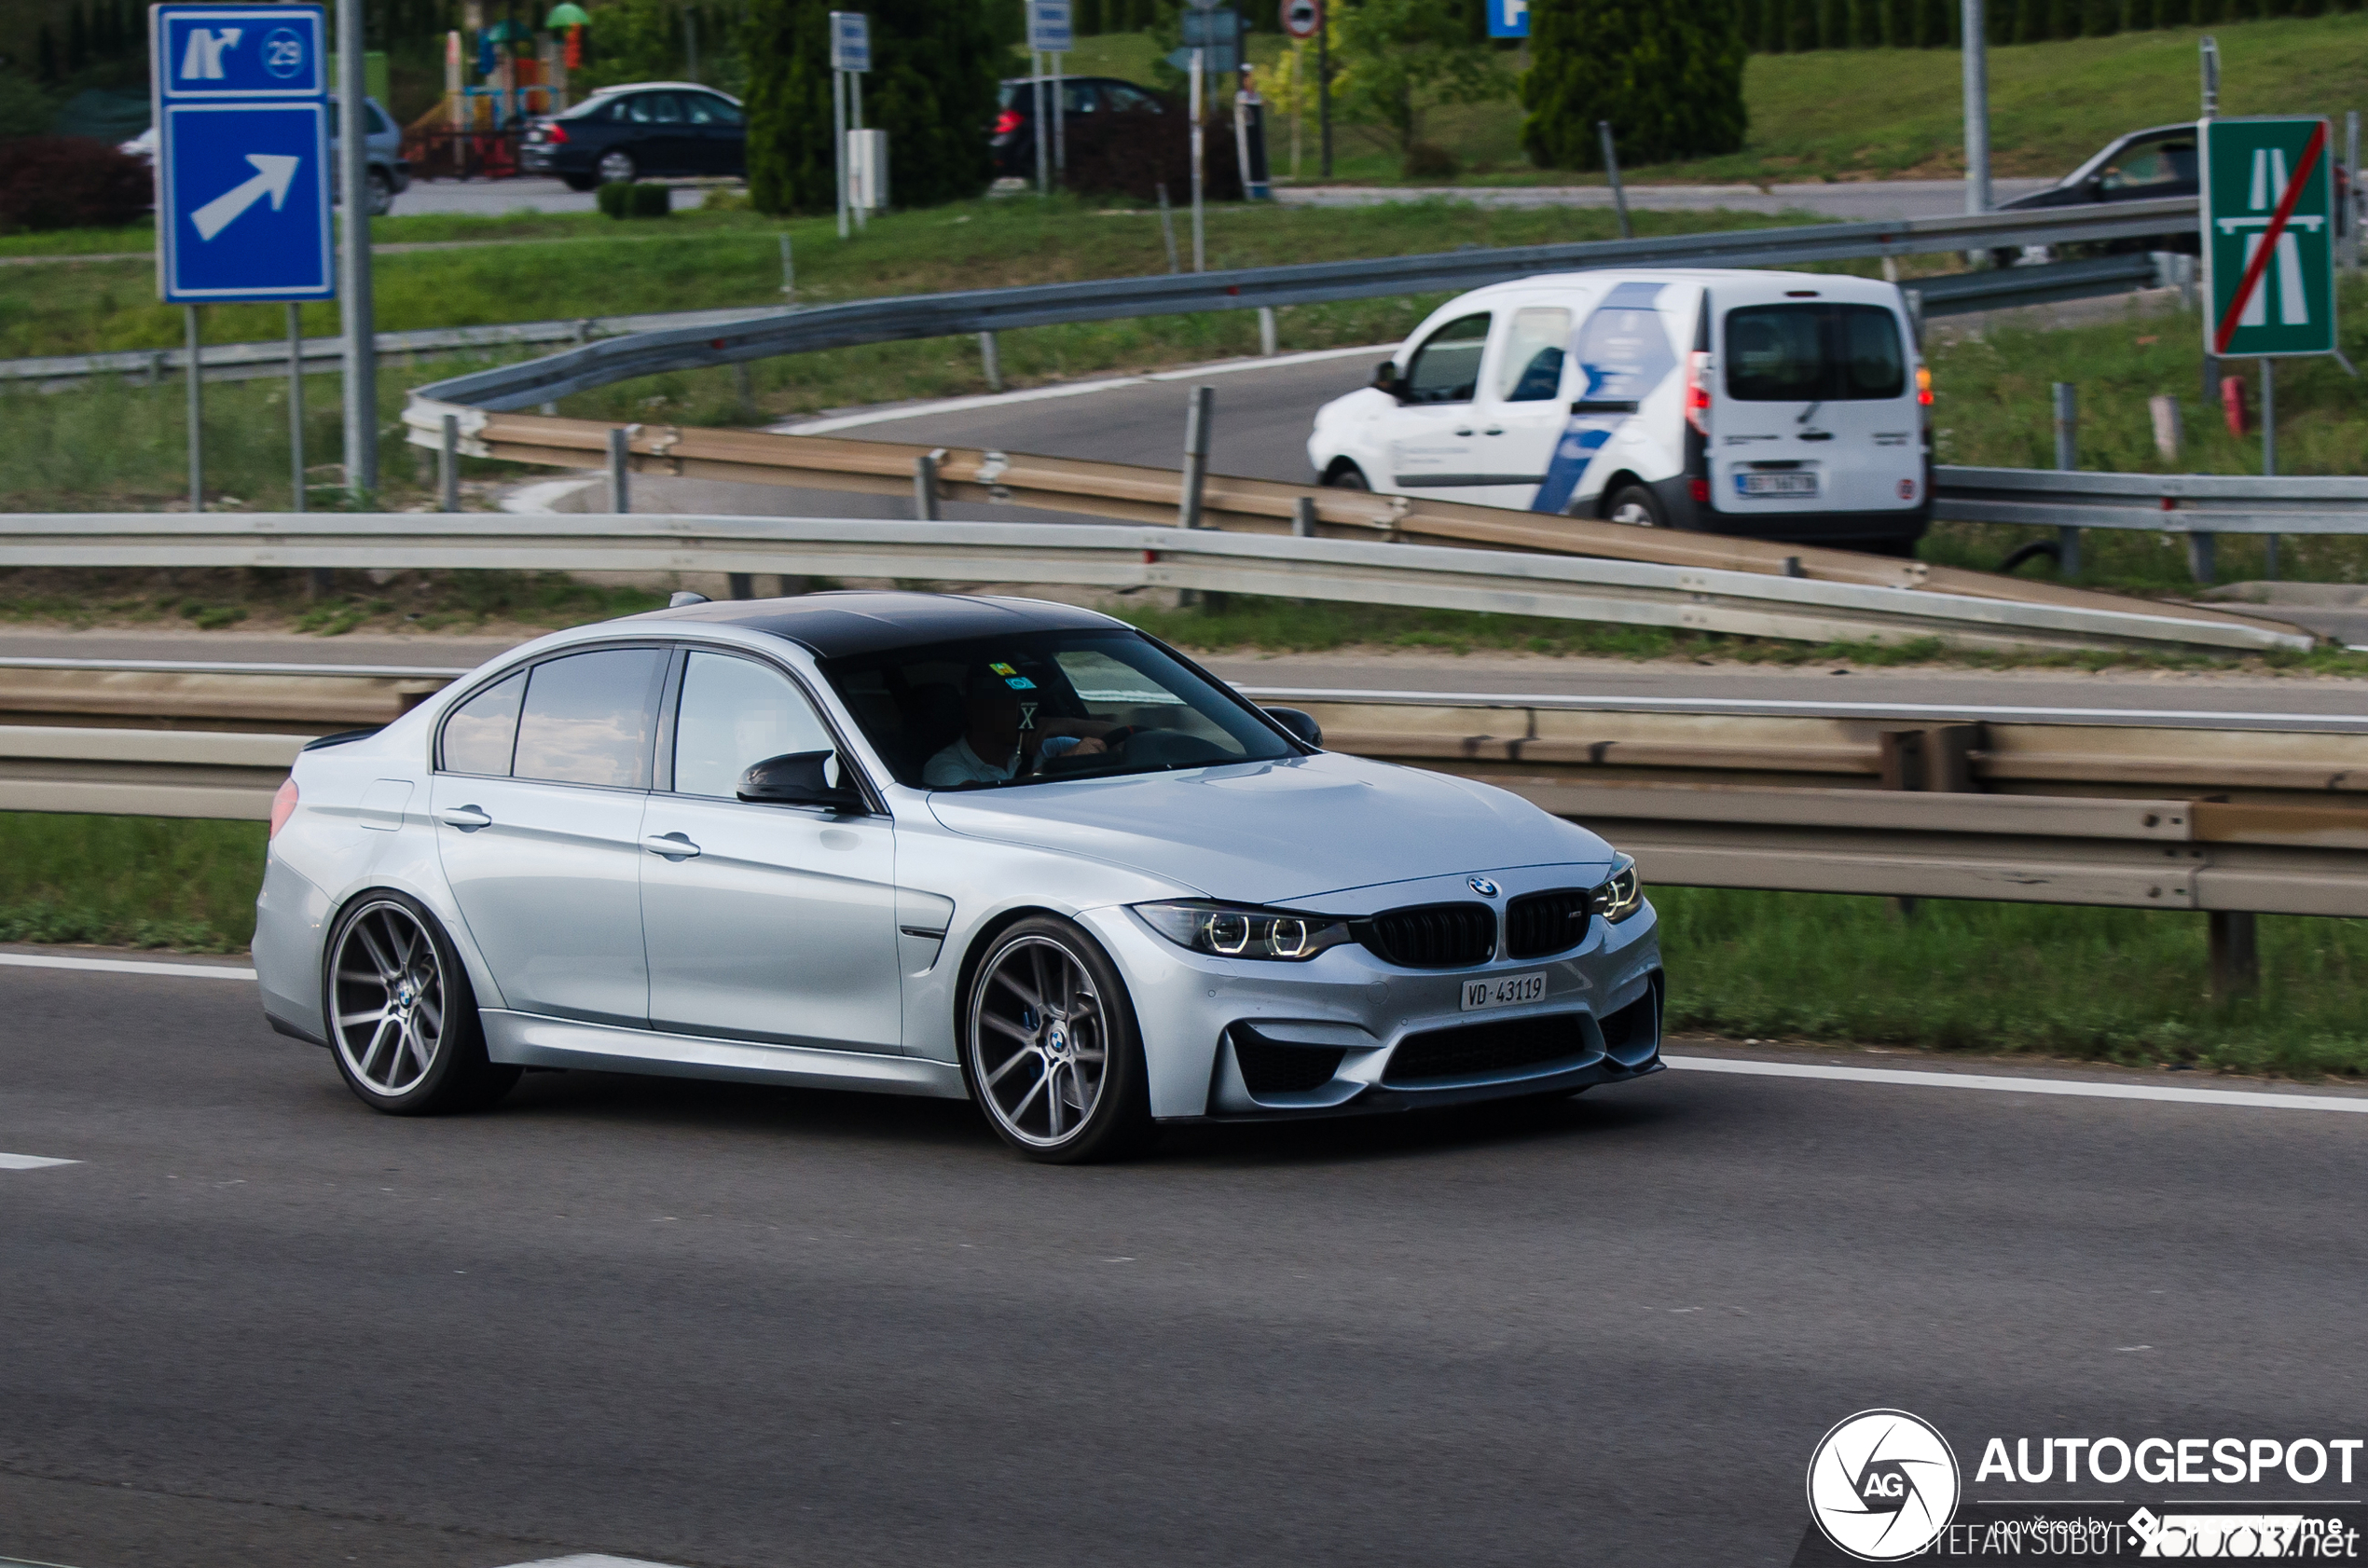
1357	1035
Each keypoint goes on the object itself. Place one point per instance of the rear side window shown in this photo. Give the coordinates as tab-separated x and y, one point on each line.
478	735
588	718
1814	353
1446	368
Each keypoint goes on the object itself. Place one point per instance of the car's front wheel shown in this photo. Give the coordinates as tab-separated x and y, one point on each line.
618	169
1050	1046
403	1019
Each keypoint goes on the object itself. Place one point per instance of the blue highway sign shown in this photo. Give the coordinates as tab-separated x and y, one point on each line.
243	209
1508	19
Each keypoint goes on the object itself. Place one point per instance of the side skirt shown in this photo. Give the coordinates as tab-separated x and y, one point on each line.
531	1040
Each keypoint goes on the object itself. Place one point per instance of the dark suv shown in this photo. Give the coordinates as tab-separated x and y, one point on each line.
659	130
1089	99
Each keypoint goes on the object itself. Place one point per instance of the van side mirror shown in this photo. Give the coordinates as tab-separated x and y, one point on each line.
1301	723
1385	378
799	779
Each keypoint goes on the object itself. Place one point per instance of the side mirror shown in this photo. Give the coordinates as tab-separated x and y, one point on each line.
1301	723
2096	186
799	779
1385	379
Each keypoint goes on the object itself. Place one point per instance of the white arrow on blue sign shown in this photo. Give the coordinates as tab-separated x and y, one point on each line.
243	209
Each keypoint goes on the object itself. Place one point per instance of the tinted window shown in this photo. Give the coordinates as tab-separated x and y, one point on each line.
1531	368
1814	353
1120	98
2151	164
735	712
709	108
587	718
478	735
1080	98
663	109
1446	367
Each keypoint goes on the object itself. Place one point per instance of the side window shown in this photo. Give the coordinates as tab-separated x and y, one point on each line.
1446	368
637	108
1081	97
479	734
719	111
663	110
588	718
1122	99
736	711
1530	370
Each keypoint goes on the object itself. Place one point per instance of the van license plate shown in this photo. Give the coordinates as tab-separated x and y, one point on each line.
1507	990
1775	484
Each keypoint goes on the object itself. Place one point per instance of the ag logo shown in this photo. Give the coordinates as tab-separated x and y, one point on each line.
1882	1485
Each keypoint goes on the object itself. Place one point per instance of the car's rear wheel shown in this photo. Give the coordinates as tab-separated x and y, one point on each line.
381	193
618	169
403	1019
1050	1046
1637	506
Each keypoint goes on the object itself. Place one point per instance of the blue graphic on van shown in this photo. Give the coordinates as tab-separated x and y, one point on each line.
1622	350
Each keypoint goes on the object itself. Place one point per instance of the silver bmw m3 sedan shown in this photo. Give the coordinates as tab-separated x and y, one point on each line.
992	848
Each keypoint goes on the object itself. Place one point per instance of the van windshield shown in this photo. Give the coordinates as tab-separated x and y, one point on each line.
1814	353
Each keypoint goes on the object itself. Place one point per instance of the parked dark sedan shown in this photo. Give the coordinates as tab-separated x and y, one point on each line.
1089	99
641	129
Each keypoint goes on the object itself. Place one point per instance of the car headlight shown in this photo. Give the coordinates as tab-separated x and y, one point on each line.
1225	931
1622	893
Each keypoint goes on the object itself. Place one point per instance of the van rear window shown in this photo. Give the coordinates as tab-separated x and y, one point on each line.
1804	354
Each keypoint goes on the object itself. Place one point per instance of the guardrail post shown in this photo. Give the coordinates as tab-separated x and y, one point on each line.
2235	945
1266	331
2203	556
2269	456
1188	499
743	583
2170	436
2067	458
988	357
1303	517
620	470
448	466
743	383
1167	231
925	485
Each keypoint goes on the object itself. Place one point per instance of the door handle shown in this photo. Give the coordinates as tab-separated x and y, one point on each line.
468	818
1493	430
674	846
1463	429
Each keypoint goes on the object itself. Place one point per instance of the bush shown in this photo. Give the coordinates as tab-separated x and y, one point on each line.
1134	152
623	198
1667	74
71	182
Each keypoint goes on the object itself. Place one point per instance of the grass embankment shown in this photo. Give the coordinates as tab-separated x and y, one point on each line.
1875	113
2123	986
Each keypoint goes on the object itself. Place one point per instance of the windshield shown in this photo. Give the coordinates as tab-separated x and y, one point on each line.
1001	712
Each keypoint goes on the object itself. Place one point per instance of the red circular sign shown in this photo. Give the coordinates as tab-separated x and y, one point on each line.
1302	19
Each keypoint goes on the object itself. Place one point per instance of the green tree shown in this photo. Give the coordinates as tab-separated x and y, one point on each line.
1667	74
1402	59
931	87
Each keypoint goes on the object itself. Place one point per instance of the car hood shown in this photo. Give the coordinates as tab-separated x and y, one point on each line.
1277	833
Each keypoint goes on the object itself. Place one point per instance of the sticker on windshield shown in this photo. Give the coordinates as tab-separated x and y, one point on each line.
1002	669
1019	682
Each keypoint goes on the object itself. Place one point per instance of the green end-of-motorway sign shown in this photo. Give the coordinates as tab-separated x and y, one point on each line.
2269	237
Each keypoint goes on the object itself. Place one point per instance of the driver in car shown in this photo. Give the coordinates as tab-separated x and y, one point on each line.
1001	722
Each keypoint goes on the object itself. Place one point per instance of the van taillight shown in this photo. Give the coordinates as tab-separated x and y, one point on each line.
1925	385
1697	390
283	806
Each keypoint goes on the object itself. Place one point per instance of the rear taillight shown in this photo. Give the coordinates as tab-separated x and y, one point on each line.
283	806
1006	122
558	134
1697	390
1925	385
1700	490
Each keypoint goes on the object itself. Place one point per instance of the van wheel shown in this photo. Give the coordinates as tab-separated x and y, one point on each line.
1348	477
1636	506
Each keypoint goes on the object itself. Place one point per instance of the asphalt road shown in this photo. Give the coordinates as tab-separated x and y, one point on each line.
257	1326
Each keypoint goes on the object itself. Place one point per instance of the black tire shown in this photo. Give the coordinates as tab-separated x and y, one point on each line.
1643	508
381	185
1348	477
426	983
1117	1120
581	181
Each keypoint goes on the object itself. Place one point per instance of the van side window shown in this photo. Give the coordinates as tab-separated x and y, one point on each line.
1530	370
1446	368
1808	353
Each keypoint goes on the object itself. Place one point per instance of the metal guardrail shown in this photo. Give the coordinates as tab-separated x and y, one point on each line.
2156	503
2068	810
943	315
1509	582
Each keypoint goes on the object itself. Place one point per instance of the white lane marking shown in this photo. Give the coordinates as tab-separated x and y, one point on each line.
125	965
1071	388
29	1162
1997	1084
1775	705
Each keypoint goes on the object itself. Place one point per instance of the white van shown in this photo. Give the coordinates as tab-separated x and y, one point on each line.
1779	406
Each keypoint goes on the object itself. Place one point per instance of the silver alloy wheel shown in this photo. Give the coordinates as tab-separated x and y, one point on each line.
618	168
387	998
1040	1042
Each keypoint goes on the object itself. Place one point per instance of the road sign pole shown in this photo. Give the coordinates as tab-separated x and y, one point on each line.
1038	131
1323	90
838	141
197	428
2269	456
1200	244
1060	123
296	407
1977	84
361	329
854	123
2208	63
2351	194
